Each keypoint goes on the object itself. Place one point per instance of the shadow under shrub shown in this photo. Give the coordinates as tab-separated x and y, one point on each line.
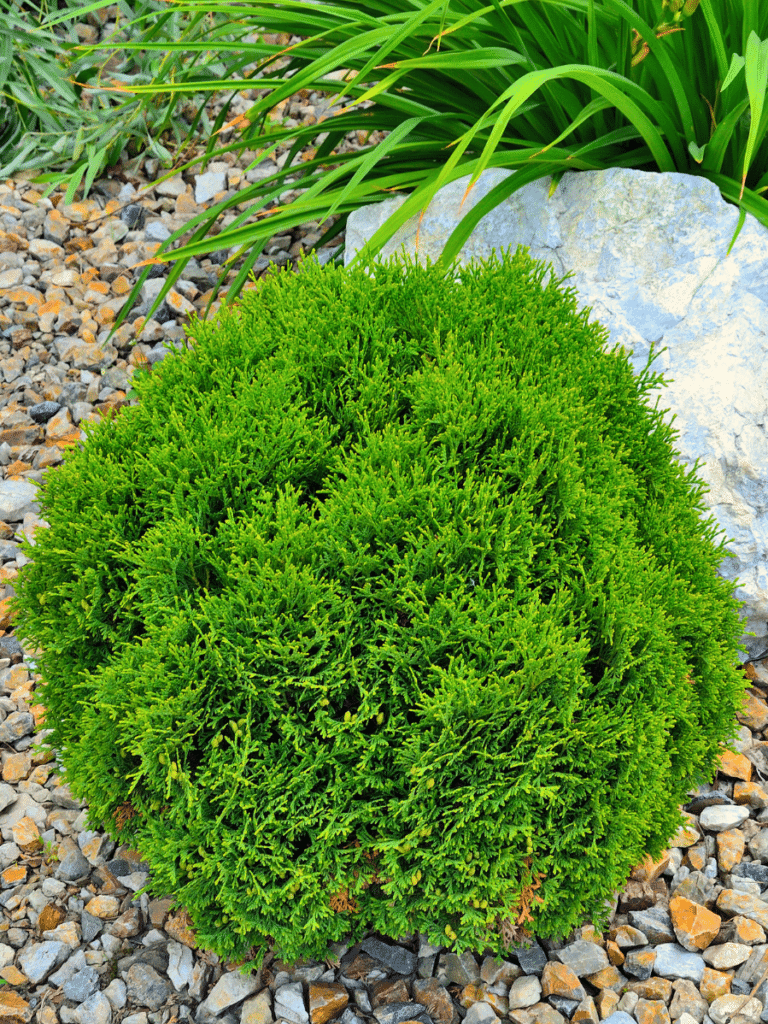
387	606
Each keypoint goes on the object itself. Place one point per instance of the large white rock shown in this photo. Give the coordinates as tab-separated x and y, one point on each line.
648	254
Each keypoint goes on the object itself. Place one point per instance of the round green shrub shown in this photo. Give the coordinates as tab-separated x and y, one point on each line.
388	606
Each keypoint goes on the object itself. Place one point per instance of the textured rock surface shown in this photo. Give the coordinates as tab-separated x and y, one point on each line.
695	926
648	252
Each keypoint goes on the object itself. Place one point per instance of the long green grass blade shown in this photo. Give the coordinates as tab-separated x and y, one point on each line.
601	82
756	72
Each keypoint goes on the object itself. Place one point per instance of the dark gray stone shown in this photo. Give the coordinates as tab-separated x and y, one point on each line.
400	960
163	313
531	958
146	988
394	1013
710	798
565	1006
10	648
120	867
153	956
157	354
90	926
133	216
41	413
461	970
72	867
427	966
757	872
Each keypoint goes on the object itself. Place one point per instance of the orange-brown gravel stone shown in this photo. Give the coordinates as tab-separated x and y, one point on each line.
695	926
730	849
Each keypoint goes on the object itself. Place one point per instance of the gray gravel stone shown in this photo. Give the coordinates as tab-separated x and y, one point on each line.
17	497
672	961
459	970
395	957
40	959
565	1006
655	923
156	231
480	1013
583	958
754	870
636	964
81	985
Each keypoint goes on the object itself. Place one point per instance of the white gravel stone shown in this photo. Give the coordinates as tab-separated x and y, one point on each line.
11	278
156	231
726	955
722	1010
171	187
231	988
289	1003
480	1013
180	965
524	991
208	184
722	818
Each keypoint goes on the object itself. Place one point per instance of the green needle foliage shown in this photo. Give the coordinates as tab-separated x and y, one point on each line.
388	605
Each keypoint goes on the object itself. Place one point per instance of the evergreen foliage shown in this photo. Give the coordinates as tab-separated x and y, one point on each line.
387	606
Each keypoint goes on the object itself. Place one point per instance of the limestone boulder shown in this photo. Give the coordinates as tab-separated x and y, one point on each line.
648	254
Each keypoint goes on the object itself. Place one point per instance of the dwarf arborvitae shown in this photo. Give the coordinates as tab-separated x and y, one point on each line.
388	606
